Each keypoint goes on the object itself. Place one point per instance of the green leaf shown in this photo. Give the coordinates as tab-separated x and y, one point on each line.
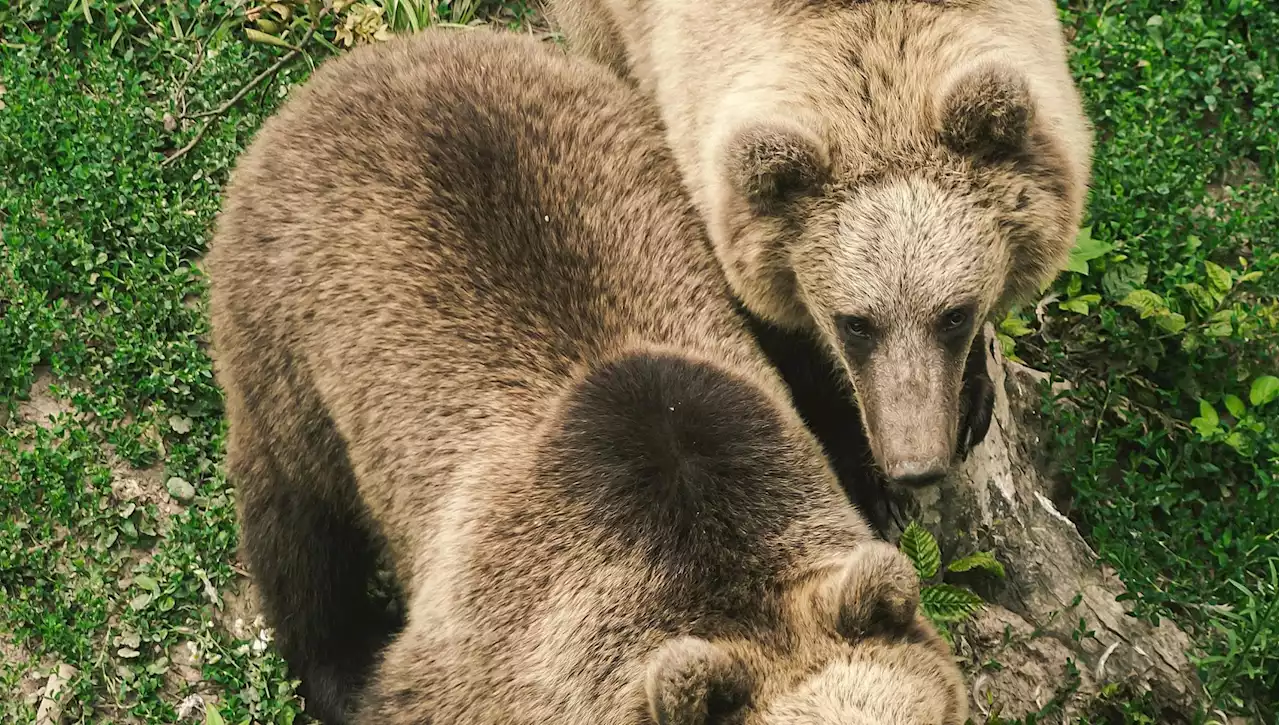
945	633
1086	248
947	603
211	716
1235	406
1121	279
159	667
1264	390
1237	442
1007	347
146	582
1219	279
1074	285
1014	326
257	36
1172	322
1078	306
1206	424
1146	302
984	560
1219	324
1208	413
922	549
1204	427
1199	296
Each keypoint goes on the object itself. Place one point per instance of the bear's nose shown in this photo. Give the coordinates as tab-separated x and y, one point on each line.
915	474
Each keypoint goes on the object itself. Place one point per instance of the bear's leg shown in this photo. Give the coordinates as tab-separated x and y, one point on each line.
977	398
304	538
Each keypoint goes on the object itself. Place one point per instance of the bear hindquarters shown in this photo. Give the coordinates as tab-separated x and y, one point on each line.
313	559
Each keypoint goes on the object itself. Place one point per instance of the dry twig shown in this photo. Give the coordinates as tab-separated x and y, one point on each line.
213	115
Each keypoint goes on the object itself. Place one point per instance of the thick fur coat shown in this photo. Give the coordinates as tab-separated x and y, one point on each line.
879	177
463	309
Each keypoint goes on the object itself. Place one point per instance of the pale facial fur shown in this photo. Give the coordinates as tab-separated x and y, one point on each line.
845	692
849	687
895	247
924	272
794	123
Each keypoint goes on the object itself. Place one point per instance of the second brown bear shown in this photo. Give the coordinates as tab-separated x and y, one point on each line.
462	306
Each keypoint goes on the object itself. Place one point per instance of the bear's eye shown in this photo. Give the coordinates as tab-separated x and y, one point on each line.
856	328
955	319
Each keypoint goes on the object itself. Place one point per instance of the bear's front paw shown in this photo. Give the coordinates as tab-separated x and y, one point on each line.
977	399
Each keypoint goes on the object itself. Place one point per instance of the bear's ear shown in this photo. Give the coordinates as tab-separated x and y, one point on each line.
691	681
773	163
987	110
876	591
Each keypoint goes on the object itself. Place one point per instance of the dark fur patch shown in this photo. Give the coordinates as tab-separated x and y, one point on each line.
696	683
823	396
675	458
774	165
989	111
977	398
328	624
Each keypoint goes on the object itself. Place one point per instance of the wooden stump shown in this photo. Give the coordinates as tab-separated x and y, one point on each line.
1001	499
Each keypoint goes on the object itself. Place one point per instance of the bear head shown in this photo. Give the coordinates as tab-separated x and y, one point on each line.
892	208
854	649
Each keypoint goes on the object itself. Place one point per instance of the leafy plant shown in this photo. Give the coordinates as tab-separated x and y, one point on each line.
944	604
117	528
1164	325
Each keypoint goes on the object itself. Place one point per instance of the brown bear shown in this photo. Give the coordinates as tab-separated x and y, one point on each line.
466	314
878	177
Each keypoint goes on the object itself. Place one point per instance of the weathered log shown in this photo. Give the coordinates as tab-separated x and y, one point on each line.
1054	591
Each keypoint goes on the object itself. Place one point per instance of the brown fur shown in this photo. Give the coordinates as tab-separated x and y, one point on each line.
885	165
467	311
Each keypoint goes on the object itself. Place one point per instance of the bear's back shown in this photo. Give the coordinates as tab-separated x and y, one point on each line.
481	202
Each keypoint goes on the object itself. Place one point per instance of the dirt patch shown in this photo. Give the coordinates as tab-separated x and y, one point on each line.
236	612
1032	666
142	486
184	685
14	656
41	685
240	615
42	406
1240	172
54	695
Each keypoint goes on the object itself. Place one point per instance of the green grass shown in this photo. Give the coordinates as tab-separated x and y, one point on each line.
1184	100
102	569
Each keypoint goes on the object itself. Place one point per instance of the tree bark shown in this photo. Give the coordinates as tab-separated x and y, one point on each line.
1001	499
